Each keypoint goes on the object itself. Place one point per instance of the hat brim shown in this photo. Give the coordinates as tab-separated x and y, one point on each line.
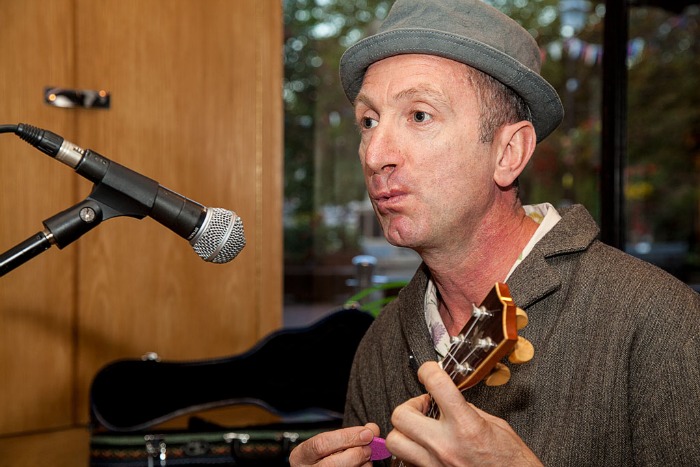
544	103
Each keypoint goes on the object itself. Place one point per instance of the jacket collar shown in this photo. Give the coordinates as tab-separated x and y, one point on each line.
534	279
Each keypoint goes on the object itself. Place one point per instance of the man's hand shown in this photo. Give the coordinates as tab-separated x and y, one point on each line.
346	447
463	435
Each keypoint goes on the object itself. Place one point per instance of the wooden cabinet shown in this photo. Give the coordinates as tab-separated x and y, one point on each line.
196	104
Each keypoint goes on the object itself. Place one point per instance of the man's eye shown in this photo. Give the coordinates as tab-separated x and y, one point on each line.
368	123
421	117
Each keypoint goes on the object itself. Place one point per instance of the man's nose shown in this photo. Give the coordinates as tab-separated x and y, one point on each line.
382	153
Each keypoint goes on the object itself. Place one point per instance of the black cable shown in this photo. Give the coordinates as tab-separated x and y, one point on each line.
45	141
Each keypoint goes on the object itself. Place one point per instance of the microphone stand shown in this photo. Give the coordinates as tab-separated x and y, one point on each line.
23	252
67	226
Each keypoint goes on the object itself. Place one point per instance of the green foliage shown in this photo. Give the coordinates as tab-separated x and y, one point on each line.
375	305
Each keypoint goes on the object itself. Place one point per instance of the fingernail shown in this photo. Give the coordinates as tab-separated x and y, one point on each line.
366	436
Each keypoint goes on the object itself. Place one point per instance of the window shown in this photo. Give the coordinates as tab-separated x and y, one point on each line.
662	178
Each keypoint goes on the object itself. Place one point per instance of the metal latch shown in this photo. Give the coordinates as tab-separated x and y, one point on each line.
70	98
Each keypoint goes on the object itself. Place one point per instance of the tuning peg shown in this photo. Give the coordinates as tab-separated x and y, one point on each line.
521	318
523	351
499	375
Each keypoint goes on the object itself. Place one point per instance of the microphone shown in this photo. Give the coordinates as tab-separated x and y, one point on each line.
215	234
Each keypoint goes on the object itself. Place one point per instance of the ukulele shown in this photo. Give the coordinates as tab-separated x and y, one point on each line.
474	355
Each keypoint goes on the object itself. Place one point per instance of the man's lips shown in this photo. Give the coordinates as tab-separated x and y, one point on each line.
389	199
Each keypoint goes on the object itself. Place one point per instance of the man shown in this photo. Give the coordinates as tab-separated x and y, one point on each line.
450	106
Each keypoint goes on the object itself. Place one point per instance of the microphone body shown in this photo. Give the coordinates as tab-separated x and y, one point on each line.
215	234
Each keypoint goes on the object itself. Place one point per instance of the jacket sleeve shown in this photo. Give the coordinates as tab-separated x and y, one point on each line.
665	384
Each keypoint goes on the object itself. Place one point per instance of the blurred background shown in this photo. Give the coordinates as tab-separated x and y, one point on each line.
237	104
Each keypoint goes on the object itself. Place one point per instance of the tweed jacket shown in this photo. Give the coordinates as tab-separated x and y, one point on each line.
615	379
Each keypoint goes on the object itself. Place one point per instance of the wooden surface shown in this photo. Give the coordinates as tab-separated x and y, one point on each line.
38	300
68	447
196	105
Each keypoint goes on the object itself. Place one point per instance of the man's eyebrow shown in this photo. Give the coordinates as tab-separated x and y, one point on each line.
422	91
363	99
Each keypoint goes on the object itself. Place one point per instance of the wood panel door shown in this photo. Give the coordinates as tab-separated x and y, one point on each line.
196	105
37	301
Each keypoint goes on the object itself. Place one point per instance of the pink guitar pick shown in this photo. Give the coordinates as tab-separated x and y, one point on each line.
379	450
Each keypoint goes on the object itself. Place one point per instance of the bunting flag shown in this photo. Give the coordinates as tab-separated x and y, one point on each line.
590	54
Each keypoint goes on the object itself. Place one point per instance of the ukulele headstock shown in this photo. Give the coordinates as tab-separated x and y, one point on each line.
490	334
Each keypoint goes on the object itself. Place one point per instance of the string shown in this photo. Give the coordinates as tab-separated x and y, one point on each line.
433	409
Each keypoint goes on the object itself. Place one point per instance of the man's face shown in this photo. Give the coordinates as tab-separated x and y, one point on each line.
429	178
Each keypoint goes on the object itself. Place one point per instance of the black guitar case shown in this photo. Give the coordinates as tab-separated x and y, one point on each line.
291	372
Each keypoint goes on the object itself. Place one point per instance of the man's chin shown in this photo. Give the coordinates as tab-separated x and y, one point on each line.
400	240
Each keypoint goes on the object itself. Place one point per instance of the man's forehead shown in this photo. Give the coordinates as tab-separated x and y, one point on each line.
414	76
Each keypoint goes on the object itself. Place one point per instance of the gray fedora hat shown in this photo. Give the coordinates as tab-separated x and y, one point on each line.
467	31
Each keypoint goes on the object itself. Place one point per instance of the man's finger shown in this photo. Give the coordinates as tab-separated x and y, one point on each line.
406	449
446	395
329	443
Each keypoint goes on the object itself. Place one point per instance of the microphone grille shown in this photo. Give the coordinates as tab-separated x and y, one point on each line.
221	236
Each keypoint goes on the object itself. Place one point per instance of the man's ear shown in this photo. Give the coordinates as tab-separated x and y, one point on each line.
514	144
